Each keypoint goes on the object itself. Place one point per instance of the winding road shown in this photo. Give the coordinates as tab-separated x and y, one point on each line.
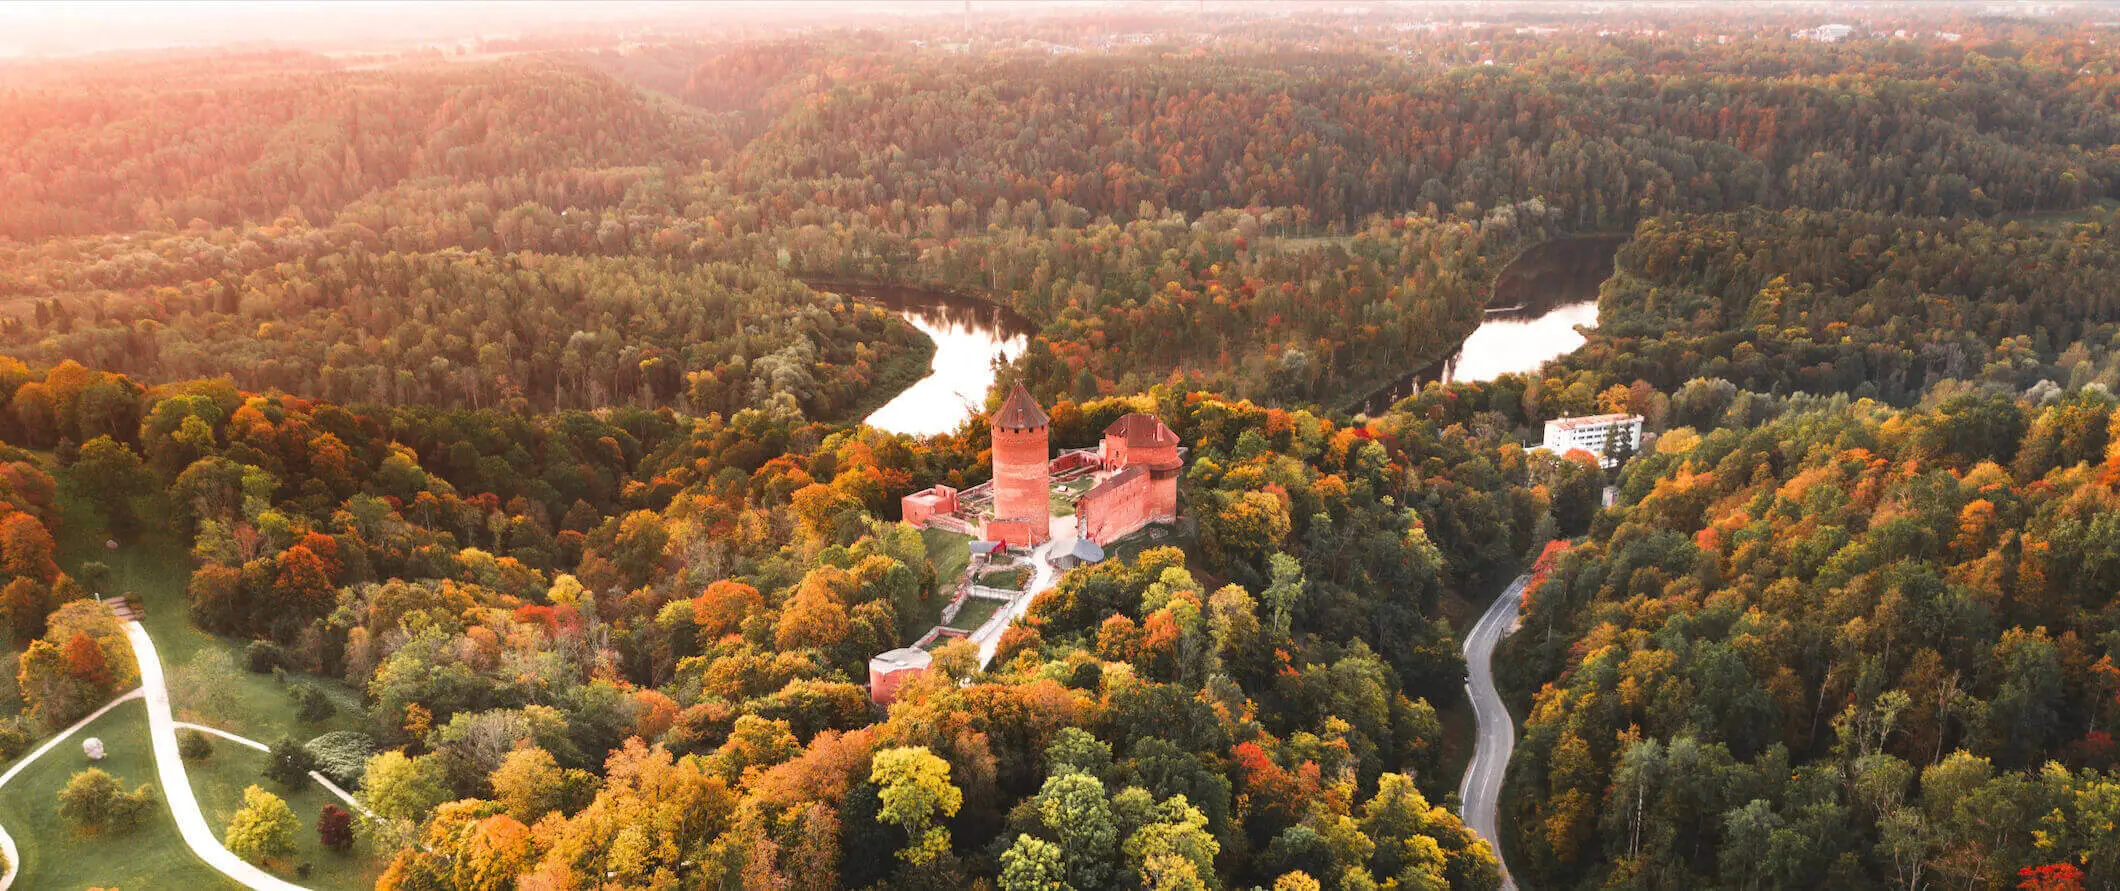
1495	735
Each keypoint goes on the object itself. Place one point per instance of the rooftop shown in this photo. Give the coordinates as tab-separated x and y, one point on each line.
1590	421
1085	550
901	658
1141	430
1115	480
1019	411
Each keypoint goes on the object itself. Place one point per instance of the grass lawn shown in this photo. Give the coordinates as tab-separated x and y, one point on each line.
1013	578
975	613
1063	497
154	565
54	856
219	781
1153	535
2057	220
947	553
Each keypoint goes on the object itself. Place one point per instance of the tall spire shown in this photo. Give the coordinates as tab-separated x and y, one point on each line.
1019	411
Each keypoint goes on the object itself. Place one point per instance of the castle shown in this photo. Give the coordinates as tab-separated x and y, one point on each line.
1129	481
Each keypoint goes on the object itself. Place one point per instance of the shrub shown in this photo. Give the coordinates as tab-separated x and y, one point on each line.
342	756
94	802
311	704
194	745
14	738
262	656
290	763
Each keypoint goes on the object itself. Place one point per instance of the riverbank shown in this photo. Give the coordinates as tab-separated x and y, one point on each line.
899	372
966	336
1530	317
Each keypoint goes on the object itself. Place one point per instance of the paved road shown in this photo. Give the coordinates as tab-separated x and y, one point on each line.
1495	735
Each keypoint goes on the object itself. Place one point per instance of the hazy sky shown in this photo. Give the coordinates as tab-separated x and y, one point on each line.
65	27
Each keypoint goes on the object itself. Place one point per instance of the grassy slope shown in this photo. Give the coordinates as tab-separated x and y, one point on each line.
219	781
55	857
153	566
947	554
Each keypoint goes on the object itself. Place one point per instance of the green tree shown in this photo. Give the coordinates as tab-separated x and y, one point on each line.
112	476
1285	591
1074	809
289	763
1033	864
396	787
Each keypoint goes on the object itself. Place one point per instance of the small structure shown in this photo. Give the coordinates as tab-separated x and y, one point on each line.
1594	434
922	506
889	671
93	748
1831	33
1079	551
983	548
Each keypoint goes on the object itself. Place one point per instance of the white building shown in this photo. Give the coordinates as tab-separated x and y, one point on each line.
1825	33
1592	433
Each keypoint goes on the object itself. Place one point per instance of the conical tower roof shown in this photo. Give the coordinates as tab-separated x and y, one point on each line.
1019	411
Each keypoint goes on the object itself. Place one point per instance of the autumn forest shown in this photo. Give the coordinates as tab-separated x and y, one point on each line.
482	436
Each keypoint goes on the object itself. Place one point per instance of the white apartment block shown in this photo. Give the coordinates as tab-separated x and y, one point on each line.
1591	433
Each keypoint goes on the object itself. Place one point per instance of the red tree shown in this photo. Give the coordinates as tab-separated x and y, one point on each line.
335	828
85	662
2051	877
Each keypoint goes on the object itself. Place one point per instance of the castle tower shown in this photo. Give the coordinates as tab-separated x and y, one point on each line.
1022	485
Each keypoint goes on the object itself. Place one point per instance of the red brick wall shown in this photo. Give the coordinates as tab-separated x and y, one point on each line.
1163	496
1107	513
1022	487
917	509
923	505
883	687
1017	533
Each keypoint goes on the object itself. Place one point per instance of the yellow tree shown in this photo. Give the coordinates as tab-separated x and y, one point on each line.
915	787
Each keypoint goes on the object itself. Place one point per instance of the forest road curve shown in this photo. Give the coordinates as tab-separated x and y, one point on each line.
1495	732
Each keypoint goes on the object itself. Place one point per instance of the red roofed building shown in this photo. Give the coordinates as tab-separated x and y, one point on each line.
1140	456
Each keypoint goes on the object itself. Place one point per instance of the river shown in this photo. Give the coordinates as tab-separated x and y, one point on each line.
1539	301
970	336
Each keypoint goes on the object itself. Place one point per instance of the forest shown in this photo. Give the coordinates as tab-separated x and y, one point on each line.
476	415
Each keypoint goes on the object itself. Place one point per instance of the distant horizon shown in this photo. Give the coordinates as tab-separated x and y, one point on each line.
59	29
